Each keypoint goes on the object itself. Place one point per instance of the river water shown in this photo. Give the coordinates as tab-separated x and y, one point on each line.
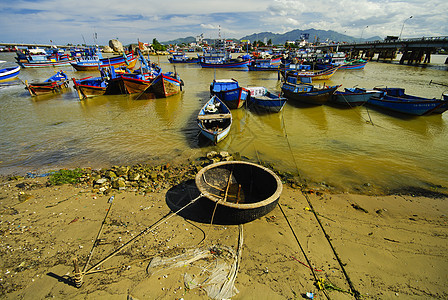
352	149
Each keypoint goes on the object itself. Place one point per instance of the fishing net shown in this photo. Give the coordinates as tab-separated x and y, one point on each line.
213	269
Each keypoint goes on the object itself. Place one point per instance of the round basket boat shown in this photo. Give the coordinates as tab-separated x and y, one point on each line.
238	191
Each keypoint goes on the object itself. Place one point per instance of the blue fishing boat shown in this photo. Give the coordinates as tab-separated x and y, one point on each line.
304	91
180	57
55	83
262	98
268	64
42	58
353	96
229	91
395	99
214	120
223	59
93	59
8	73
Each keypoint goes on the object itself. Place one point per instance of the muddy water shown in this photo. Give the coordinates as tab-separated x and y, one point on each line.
348	148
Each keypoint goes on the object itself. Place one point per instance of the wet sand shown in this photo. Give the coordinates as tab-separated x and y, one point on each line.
387	247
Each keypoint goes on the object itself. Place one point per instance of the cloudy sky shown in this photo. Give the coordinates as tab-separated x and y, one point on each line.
62	22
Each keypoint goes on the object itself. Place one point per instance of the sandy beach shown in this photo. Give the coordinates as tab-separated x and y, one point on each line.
356	246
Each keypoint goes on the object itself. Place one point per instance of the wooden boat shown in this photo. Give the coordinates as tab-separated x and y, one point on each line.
353	96
180	57
42	59
229	91
9	73
214	120
395	99
222	59
90	86
261	98
55	83
307	92
137	81
96	61
236	192
165	85
315	75
356	64
269	64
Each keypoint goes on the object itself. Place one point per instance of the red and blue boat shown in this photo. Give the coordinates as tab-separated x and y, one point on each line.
56	83
93	60
229	91
165	85
223	59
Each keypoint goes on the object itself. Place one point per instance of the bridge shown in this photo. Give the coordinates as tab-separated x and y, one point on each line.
28	45
415	51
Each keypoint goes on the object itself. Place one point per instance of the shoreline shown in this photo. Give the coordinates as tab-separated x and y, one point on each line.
391	246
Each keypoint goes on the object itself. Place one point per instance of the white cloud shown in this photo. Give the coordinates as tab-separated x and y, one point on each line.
64	21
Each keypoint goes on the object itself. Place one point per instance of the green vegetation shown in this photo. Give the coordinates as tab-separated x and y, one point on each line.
65	176
157	46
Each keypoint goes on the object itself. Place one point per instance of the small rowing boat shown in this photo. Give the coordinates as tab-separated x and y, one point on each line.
214	120
55	83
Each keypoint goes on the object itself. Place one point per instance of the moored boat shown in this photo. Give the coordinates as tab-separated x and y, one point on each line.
165	85
395	99
315	75
180	57
307	92
214	120
229	91
353	96
41	59
55	83
96	61
262	98
9	73
223	59
90	86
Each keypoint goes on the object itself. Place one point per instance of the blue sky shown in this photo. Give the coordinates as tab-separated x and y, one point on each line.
62	22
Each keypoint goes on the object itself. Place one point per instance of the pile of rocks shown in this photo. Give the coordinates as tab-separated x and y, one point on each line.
146	178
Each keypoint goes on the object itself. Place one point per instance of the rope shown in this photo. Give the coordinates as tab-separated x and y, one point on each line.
78	276
355	293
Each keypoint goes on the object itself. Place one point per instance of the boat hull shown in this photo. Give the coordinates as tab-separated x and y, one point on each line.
241	64
9	73
416	108
352	98
117	61
215	125
45	64
89	88
36	89
164	86
308	94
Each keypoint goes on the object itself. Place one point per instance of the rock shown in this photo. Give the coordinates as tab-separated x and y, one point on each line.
101	181
212	154
110	174
116	45
122	171
133	175
119	183
108	49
